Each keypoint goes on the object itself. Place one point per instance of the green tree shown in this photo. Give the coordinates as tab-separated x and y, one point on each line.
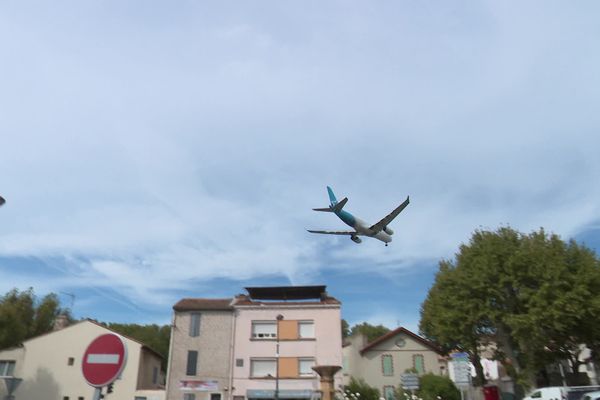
156	337
358	389
434	387
23	316
372	332
534	295
345	329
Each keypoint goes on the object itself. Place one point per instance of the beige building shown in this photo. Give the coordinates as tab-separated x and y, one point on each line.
200	349
253	346
381	362
50	367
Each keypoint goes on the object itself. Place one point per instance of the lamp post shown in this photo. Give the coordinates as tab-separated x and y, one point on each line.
279	318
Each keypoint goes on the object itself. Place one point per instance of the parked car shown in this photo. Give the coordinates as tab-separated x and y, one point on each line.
591	396
548	393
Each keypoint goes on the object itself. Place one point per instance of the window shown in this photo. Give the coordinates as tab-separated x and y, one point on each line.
419	363
215	396
306	329
239	362
195	324
70	361
264	330
81	398
65	397
387	365
189	396
262	368
536	395
388	392
305	366
192	361
155	375
7	367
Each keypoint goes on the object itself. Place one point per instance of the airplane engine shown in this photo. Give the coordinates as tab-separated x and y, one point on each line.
355	239
388	231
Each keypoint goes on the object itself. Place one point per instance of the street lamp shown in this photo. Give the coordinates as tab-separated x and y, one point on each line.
279	318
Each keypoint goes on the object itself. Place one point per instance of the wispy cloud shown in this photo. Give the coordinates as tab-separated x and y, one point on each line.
154	148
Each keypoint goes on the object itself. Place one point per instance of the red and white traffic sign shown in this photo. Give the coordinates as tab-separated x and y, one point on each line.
104	359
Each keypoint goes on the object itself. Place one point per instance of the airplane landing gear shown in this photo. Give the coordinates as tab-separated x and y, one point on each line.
386	245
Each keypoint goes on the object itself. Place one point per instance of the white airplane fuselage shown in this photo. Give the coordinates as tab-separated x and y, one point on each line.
363	227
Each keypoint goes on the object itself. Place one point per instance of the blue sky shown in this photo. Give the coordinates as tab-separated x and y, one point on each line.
157	150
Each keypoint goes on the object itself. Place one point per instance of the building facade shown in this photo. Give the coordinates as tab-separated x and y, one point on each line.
201	349
263	347
50	367
381	362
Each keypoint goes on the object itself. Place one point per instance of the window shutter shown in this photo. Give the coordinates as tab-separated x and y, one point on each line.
288	329
195	324
387	365
192	362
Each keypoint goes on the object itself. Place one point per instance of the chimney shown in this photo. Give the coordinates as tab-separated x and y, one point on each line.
61	321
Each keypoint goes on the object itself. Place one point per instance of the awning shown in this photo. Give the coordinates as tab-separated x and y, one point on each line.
283	394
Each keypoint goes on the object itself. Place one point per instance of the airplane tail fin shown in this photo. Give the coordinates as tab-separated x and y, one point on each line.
331	196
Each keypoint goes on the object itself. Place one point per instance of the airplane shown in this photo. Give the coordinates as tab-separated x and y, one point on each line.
378	231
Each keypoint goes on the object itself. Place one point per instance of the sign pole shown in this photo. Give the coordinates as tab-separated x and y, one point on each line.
97	393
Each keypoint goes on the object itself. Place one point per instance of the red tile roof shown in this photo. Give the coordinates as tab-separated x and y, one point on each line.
397	331
203	304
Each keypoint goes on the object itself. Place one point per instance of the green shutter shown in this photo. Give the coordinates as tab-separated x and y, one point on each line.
419	363
388	366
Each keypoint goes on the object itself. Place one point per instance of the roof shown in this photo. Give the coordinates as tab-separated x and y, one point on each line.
191	304
245	301
397	331
95	323
287	292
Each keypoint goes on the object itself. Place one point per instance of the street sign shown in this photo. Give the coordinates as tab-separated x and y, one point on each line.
461	368
104	360
409	381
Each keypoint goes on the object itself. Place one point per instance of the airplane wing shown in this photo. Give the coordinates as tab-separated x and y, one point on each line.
390	217
349	233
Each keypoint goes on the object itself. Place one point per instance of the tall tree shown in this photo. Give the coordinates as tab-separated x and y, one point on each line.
533	295
23	316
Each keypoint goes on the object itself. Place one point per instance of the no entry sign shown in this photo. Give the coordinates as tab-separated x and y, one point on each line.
103	360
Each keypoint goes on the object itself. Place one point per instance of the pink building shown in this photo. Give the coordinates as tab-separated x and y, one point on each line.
274	338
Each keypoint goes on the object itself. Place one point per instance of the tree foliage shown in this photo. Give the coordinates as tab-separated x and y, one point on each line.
345	329
434	387
431	387
533	295
358	389
372	332
154	336
23	315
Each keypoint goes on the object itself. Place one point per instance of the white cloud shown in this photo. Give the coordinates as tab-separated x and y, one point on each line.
167	151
